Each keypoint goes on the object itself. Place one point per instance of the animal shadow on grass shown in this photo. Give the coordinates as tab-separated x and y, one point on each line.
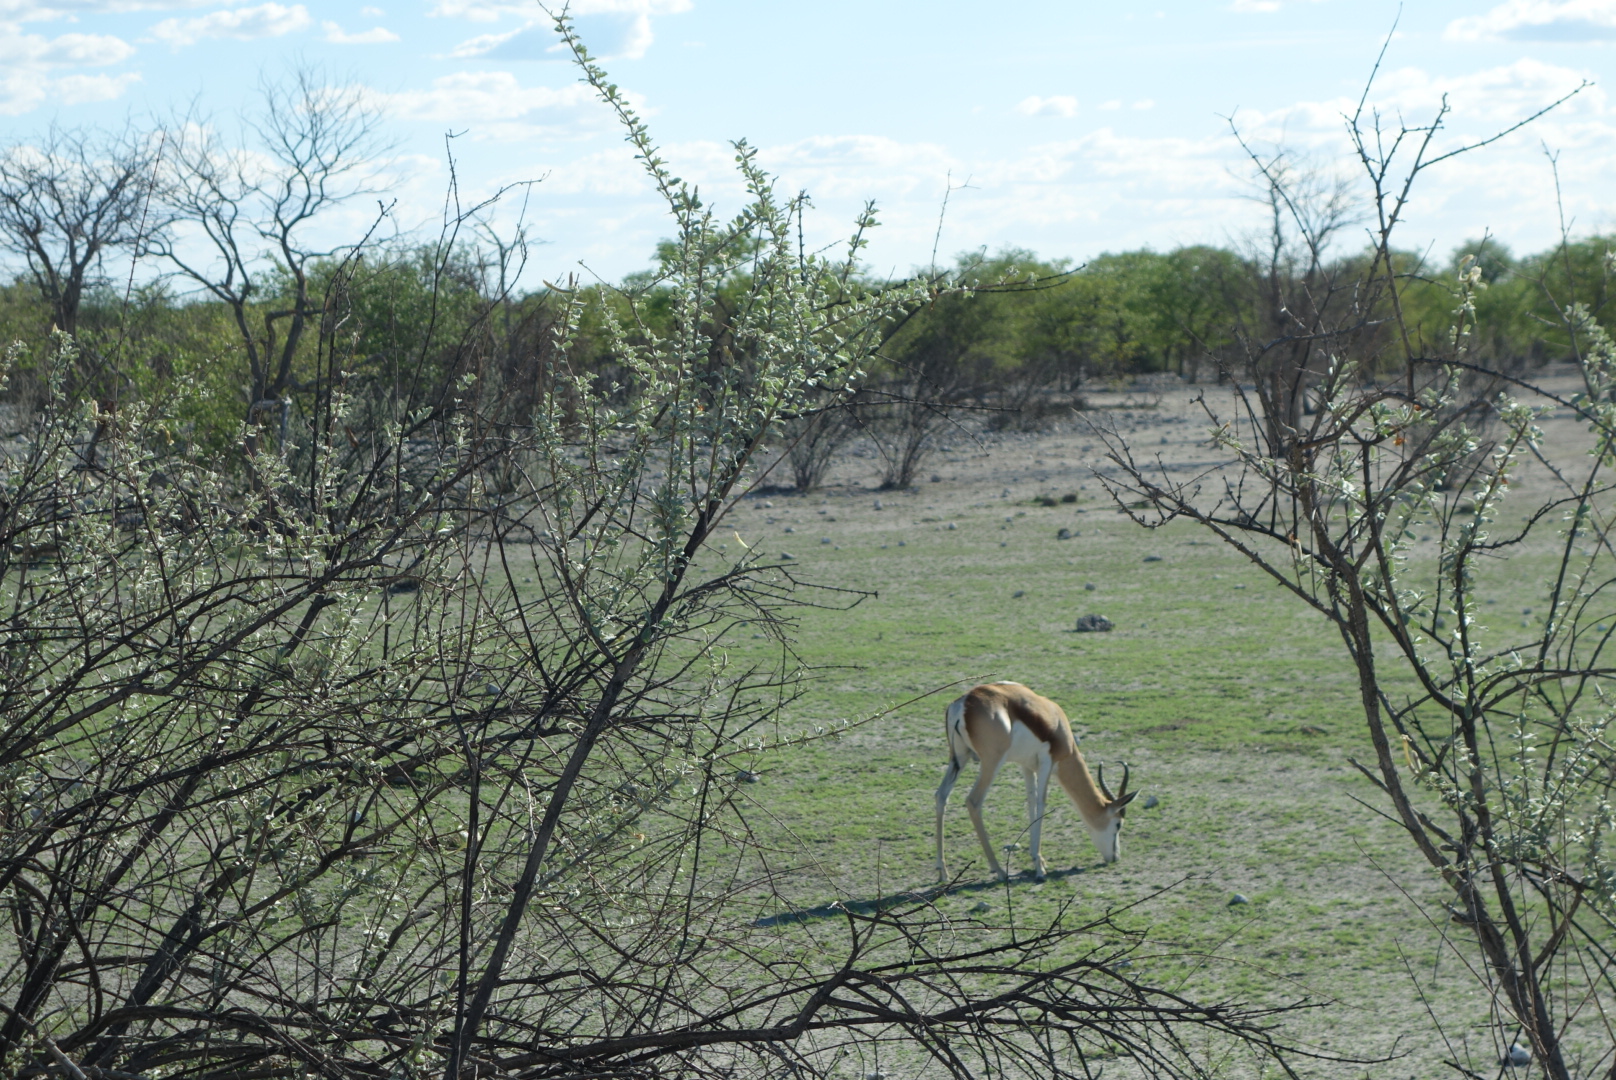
837	908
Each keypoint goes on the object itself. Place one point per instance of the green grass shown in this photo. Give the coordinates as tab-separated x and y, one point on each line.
1234	703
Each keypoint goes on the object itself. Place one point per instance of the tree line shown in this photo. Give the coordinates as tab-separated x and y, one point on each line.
234	309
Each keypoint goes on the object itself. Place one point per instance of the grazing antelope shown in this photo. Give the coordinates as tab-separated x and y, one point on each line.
1000	722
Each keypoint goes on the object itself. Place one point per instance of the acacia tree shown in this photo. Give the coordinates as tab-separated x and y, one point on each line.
68	200
1490	742
246	214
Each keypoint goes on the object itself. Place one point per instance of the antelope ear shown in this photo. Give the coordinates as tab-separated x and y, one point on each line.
1122	803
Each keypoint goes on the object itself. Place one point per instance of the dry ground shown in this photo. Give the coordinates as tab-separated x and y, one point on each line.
1234	705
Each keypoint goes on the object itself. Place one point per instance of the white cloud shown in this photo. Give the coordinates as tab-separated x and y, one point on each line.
1255	6
483	97
39	10
1060	105
1481	103
67	50
491	10
29	60
1539	20
242	24
81	89
1145	103
608	36
612	29
375	36
371	12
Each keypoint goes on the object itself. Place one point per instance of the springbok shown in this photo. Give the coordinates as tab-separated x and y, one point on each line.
1005	721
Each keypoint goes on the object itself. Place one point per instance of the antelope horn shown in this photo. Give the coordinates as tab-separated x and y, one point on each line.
1124	789
1099	775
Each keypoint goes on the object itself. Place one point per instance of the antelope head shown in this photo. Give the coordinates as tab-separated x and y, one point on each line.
1108	835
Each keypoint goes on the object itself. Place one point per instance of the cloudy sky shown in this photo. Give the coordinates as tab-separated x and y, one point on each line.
1069	128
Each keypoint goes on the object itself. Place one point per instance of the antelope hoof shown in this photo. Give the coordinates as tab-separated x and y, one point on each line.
1039	876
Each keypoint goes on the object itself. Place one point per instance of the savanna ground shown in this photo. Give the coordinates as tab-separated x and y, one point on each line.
1234	704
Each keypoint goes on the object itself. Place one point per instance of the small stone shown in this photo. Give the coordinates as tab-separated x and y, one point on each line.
1164	440
789	529
1090	587
1150	803
747	776
936	479
1518	1055
1094	624
1018	594
1153	558
1003	544
768	505
878	504
981	906
787	555
826	540
1064	534
1237	899
903	543
876	1075
952	526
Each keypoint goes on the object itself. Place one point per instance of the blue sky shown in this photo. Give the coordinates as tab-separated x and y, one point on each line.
1066	128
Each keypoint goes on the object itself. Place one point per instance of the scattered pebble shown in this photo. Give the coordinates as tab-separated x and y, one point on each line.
789	529
1153	558
1018	594
952	526
747	776
1237	899
787	555
981	906
1518	1055
878	504
1150	803
826	540
1094	624
1090	587
1064	534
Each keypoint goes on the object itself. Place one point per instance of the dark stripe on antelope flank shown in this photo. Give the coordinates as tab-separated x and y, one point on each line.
1037	714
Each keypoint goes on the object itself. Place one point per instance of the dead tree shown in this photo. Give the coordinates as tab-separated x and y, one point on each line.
71	198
